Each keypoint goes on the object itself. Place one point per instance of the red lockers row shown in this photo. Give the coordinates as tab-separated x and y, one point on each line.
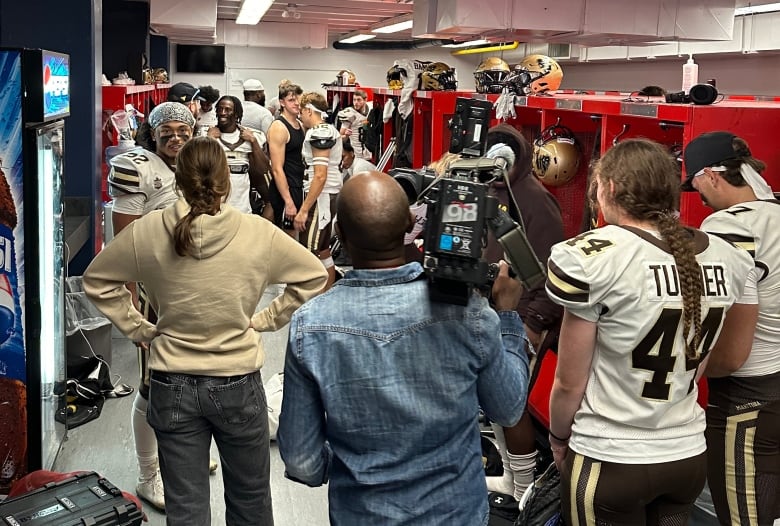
598	122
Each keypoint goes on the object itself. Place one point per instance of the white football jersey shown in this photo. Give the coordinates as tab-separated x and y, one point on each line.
334	181
238	154
640	401
753	226
354	120
140	171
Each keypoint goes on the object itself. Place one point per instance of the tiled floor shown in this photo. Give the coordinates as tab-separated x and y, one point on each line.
106	445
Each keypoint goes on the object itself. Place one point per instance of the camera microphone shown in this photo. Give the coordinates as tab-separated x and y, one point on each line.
503	152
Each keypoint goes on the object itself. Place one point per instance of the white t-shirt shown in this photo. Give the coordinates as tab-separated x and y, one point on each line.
238	154
206	119
256	116
358	165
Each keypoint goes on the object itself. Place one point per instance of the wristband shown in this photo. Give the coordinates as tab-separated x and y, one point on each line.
558	438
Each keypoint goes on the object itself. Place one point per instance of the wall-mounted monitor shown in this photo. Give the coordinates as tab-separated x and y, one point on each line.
200	58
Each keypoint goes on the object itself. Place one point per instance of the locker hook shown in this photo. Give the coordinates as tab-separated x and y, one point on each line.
665	125
626	126
558	122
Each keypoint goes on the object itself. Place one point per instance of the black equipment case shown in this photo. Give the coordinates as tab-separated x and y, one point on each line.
86	499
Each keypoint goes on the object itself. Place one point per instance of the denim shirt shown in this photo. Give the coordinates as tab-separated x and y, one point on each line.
382	389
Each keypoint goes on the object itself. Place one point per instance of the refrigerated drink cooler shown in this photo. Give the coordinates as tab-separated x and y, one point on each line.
34	100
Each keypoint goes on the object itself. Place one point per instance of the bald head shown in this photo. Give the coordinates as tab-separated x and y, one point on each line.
373	216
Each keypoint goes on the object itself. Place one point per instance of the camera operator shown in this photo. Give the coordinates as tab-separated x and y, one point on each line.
541	216
382	384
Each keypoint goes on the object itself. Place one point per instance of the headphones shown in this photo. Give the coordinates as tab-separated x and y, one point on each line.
700	94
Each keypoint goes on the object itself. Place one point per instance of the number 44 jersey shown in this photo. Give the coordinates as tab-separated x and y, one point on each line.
640	401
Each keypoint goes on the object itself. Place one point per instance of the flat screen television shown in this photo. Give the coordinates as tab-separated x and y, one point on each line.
200	58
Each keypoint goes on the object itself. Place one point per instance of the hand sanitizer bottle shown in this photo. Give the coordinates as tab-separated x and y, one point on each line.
690	74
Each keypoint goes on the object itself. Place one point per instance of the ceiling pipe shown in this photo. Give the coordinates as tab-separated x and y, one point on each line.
505	46
401	45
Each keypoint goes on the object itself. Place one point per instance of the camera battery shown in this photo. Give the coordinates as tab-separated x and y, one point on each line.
85	499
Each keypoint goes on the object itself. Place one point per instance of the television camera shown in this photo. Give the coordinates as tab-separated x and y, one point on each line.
460	211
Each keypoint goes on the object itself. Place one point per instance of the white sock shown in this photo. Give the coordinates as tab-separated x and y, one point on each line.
145	441
504	483
522	467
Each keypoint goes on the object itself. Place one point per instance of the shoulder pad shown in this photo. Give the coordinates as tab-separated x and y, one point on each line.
323	137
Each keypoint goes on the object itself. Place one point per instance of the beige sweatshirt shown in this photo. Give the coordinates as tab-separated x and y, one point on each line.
205	303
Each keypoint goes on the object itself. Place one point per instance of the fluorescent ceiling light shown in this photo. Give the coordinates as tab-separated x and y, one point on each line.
356	38
394	28
252	11
469	43
750	10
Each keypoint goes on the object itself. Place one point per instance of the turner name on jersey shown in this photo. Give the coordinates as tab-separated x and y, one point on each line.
577	269
140	171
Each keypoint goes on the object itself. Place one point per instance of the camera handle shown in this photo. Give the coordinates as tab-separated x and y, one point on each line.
517	249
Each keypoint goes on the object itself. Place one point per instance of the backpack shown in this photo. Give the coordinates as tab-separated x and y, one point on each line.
371	131
541	503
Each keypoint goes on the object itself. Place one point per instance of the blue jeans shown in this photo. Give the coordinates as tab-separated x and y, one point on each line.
185	411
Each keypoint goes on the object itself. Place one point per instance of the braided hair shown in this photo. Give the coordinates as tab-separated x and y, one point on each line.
646	181
203	178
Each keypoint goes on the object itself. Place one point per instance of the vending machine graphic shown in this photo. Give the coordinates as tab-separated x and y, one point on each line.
34	100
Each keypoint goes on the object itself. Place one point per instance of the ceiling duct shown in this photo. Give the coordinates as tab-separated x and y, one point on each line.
586	22
184	20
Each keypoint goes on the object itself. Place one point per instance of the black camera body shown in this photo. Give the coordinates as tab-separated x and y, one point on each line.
455	235
460	211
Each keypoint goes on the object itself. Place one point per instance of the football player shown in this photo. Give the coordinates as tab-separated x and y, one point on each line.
644	299
322	182
249	165
743	410
352	120
285	145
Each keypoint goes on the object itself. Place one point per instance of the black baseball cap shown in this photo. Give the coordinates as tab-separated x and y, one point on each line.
183	92
708	149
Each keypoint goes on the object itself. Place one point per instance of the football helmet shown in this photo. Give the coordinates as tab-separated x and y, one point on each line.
556	156
535	74
490	74
351	79
160	75
396	76
438	76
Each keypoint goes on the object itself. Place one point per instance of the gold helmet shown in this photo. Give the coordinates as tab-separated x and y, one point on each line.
535	74
438	76
351	79
490	75
396	76
556	157
160	75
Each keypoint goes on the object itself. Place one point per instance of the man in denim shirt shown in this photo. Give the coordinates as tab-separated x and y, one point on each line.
382	386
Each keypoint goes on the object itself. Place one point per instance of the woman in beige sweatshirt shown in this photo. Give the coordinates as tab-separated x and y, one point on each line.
205	266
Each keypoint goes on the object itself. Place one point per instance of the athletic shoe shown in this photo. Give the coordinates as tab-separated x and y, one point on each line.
151	490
